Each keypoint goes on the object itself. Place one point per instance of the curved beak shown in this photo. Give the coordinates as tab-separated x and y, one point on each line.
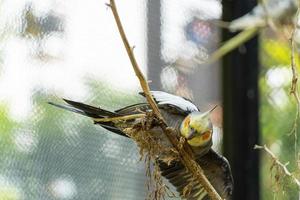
210	111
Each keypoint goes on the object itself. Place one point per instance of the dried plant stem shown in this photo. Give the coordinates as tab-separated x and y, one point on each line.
220	23
232	44
279	164
122	118
294	84
133	61
185	157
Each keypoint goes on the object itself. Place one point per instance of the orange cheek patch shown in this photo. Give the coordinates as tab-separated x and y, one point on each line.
206	135
187	121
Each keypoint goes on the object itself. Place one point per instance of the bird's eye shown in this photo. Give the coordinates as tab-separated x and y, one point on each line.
192	129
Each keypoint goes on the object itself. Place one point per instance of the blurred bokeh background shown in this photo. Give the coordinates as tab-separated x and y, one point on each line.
277	112
52	49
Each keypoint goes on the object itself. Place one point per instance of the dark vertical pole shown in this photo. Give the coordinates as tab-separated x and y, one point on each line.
154	62
240	98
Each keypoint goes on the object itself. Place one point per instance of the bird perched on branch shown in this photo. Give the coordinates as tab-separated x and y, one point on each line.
187	121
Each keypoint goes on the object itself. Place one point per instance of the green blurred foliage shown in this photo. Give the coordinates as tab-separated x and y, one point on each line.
277	122
7	125
9	193
275	52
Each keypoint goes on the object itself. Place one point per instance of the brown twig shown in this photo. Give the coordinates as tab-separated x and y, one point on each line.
279	164
294	83
185	157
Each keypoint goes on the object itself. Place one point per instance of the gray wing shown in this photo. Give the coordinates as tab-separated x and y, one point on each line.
173	117
93	112
133	109
173	108
215	167
173	103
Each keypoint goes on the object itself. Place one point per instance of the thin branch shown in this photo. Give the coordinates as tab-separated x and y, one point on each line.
133	61
294	85
232	44
279	164
220	23
185	156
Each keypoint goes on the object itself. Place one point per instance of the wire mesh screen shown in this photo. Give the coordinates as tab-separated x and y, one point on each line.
58	49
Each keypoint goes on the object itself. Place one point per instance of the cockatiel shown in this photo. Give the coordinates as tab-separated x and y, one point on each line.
187	121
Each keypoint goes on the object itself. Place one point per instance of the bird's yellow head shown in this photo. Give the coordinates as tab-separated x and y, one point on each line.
197	128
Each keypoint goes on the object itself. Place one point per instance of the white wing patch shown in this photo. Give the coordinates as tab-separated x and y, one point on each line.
163	98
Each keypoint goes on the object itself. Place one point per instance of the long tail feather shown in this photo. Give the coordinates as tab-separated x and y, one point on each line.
69	108
92	112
